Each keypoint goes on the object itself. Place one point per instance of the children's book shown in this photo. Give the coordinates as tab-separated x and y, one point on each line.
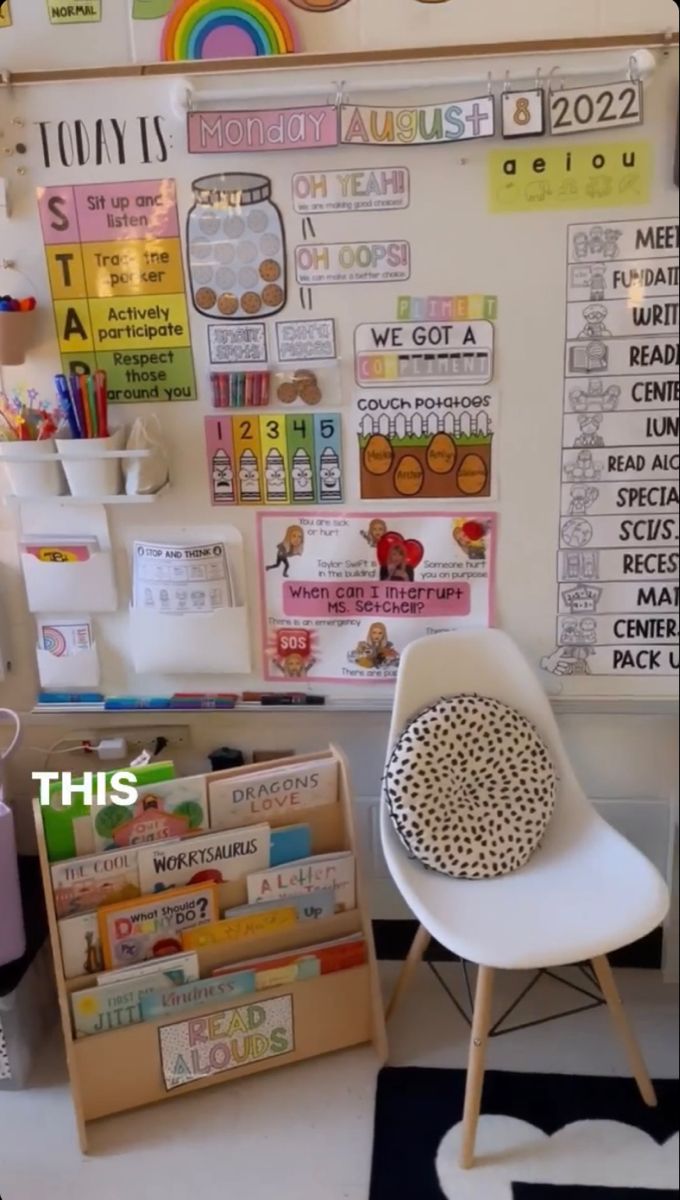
84	884
81	949
279	791
166	1001
289	844
316	874
116	1005
153	927
309	908
215	858
69	828
185	964
241	929
168	808
279	970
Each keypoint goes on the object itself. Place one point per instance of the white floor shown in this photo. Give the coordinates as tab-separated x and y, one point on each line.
302	1133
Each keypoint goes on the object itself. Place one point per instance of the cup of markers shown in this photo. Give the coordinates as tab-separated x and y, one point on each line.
88	455
28	447
17	321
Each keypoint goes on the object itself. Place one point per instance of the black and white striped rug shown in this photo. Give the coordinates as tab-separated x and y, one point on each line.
541	1137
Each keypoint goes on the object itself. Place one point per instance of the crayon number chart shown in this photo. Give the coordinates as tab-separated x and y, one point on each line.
618	557
275	460
114	261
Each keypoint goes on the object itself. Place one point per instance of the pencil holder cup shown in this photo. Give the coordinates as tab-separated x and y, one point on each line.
87	472
31	477
16	335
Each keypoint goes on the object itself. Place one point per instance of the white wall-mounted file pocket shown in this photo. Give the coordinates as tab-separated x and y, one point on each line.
71	587
79	670
215	643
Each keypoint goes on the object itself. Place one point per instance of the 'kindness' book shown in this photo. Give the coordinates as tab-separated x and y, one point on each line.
214	858
281	791
165	1002
84	884
153	926
336	871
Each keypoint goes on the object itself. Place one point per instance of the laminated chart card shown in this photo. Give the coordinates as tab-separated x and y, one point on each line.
114	259
344	594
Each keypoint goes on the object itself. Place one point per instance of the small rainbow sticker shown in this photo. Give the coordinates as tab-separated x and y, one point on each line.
204	29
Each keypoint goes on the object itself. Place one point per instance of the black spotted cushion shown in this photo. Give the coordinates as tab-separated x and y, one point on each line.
471	787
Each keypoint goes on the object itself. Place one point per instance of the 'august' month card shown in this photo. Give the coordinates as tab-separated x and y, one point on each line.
152	927
316	874
216	858
265	795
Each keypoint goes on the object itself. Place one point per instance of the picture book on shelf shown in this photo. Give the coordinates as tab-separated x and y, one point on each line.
84	884
315	874
167	808
241	929
69	830
165	1001
281	791
214	858
278	970
81	949
152	927
185	963
117	1005
314	907
290	843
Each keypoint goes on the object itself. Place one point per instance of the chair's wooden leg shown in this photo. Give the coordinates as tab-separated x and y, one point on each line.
415	956
605	978
481	1025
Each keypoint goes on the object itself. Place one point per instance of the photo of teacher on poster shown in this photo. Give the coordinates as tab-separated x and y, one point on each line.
356	588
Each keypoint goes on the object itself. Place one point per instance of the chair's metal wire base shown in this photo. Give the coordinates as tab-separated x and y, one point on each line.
596	998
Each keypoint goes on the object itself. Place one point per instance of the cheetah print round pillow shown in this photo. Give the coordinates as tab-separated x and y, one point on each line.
471	788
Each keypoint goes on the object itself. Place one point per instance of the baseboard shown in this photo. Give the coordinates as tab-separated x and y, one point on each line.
393	940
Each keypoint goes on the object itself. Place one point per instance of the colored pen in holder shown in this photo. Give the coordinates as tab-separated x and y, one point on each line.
240	389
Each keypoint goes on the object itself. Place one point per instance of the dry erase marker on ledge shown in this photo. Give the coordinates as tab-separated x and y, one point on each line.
203	700
136	703
70	698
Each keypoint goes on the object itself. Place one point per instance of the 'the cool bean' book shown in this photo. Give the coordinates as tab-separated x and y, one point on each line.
84	884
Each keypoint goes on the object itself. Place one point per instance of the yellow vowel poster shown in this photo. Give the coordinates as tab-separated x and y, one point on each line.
592	175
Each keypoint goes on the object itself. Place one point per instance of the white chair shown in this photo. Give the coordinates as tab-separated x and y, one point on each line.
585	893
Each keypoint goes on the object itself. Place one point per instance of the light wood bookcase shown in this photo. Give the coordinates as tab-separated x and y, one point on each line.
121	1070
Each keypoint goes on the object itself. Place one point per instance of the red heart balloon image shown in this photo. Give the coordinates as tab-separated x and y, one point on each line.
387	541
414	552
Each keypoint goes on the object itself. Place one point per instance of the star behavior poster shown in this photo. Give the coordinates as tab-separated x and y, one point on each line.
343	594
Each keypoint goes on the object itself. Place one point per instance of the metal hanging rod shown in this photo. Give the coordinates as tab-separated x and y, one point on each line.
641	64
283	64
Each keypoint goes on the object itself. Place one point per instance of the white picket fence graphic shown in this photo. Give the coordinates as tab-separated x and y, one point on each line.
400	426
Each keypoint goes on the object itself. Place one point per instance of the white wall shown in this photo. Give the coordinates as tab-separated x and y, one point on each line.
615	755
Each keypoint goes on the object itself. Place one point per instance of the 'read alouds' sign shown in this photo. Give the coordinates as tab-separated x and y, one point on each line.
323	126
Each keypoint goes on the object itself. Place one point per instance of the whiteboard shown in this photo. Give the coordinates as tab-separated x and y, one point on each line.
457	248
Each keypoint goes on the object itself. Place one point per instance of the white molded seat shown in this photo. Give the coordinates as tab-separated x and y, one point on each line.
586	891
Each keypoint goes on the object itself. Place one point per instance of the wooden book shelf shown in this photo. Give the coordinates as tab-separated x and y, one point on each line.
121	1070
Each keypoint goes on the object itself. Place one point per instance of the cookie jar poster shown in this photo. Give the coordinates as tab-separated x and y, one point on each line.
344	594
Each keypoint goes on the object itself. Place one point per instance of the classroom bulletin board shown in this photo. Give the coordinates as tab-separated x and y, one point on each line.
493	439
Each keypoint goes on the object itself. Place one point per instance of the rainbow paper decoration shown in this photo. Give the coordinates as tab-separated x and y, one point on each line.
205	29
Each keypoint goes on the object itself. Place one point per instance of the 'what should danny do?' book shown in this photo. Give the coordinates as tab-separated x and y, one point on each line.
152	927
215	858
